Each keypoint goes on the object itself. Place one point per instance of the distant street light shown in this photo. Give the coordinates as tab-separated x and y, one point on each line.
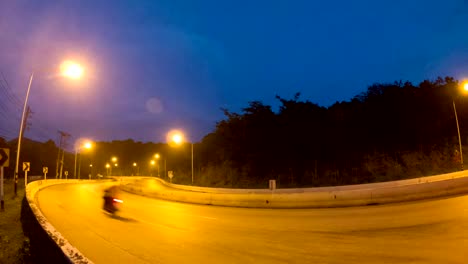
152	162
135	165
177	138
113	160
157	156
107	168
79	146
68	69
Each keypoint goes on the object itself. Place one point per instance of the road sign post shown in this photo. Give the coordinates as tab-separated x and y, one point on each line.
26	168
45	170
4	162
66	175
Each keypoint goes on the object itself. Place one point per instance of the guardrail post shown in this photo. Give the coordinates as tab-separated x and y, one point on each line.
272	184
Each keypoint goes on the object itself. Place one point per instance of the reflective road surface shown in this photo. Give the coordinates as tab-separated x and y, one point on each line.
157	231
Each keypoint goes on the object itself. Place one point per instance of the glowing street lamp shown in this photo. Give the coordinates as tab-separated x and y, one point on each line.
152	162
465	86
68	69
113	161
108	168
71	69
157	156
176	138
79	146
135	165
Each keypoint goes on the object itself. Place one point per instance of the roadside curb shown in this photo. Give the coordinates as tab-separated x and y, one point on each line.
72	254
320	197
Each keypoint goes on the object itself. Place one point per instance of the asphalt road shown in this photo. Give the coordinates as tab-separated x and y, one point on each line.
156	231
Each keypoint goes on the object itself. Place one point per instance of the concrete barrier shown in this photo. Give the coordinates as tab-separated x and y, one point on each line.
339	196
70	252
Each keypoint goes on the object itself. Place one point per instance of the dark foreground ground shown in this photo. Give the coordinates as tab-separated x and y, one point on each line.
22	240
14	246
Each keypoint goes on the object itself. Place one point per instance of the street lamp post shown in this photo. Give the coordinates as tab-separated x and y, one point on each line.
152	162
135	166
465	90
87	145
178	138
21	134
90	171
114	160
459	137
157	156
68	69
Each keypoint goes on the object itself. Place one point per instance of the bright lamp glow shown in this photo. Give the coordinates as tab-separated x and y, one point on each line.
88	145
465	86
71	69
175	138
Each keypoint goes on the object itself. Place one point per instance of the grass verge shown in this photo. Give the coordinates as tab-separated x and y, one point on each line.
14	246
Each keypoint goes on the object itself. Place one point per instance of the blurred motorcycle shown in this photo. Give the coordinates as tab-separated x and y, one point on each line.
111	201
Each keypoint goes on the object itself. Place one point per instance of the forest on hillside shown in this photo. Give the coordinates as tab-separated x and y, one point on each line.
389	132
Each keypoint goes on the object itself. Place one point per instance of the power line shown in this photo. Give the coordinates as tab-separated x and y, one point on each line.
9	108
37	126
9	90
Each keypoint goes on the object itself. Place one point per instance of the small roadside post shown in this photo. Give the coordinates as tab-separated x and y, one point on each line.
272	185
45	170
26	168
4	162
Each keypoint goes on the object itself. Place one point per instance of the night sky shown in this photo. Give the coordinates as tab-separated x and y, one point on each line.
156	65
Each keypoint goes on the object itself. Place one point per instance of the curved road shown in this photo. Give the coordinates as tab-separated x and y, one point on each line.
157	231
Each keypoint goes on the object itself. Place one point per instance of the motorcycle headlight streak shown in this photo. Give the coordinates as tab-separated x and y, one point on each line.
118	201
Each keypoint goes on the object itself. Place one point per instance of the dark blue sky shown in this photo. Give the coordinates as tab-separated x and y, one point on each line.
156	65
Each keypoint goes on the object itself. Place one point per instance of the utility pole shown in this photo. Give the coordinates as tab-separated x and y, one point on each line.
58	155
61	153
64	145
